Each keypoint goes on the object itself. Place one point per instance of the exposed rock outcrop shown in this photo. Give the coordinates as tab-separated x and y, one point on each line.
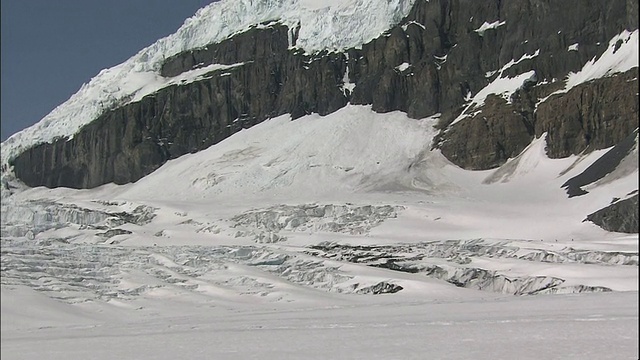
595	115
492	134
621	216
382	287
605	165
495	134
258	43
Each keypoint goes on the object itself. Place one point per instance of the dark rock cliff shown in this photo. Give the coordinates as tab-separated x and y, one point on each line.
432	62
621	216
502	130
594	115
600	168
129	142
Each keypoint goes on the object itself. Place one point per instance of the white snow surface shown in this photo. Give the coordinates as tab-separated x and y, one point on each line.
487	26
402	67
332	25
231	253
322	158
614	60
591	326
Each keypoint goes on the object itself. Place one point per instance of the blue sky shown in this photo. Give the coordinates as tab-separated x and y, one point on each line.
51	47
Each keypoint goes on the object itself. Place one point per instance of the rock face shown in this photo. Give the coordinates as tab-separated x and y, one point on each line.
130	142
595	115
621	216
491	137
605	165
438	57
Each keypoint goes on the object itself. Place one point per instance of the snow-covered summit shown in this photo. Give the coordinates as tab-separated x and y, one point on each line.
330	24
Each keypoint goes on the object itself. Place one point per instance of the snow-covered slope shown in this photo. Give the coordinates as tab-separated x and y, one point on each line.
289	217
334	227
602	326
319	160
332	25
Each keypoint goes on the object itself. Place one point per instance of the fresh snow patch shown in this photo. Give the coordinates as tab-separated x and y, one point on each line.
522	58
486	26
489	74
402	67
347	85
330	25
440	60
526	162
139	85
620	56
405	26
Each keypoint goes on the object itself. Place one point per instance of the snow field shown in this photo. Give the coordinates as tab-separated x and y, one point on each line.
148	270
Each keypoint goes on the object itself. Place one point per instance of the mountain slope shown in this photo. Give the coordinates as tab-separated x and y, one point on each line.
291	174
197	97
344	24
289	217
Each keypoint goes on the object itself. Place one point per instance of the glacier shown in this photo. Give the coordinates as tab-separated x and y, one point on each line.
338	236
